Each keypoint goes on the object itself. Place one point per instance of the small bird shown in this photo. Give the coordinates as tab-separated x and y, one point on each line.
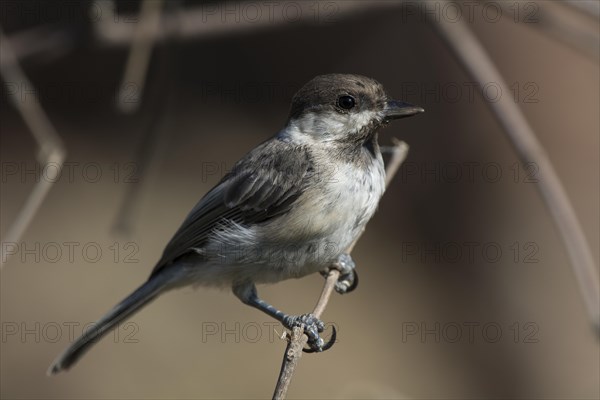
288	208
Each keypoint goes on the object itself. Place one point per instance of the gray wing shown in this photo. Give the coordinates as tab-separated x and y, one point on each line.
263	184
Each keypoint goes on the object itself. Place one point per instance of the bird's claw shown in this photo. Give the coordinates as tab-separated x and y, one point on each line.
312	327
347	283
322	347
348	279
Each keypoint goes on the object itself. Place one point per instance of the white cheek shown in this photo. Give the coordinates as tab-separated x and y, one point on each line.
333	125
363	118
344	124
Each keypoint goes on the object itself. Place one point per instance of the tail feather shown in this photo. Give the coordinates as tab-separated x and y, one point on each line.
135	301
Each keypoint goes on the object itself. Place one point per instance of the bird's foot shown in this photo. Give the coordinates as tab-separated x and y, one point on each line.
348	280
312	327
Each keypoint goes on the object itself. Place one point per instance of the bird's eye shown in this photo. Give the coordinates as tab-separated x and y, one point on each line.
346	102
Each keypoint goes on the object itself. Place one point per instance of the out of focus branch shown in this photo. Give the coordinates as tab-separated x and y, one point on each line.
158	90
51	150
139	56
588	7
209	20
47	42
552	19
215	19
477	62
298	339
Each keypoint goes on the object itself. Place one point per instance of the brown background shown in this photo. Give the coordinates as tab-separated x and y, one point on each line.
200	127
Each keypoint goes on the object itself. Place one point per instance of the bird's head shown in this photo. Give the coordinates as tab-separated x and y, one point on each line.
340	107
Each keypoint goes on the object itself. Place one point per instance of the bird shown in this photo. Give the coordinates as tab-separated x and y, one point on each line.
289	208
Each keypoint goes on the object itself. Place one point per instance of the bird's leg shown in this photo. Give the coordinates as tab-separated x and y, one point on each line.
348	280
312	326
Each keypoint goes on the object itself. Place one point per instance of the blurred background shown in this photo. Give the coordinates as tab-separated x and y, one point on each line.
466	290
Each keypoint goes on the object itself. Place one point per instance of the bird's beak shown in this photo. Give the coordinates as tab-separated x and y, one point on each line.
395	109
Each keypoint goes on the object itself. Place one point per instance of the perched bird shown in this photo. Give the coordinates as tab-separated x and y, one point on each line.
289	208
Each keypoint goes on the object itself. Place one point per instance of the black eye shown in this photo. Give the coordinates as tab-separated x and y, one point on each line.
346	102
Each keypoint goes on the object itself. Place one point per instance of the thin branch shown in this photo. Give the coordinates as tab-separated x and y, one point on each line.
213	20
51	150
479	65
590	8
551	19
298	339
45	42
157	91
139	56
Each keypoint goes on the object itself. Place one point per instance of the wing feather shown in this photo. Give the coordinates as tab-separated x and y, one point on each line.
263	184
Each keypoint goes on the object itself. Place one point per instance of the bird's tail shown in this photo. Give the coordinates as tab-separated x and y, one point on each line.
135	301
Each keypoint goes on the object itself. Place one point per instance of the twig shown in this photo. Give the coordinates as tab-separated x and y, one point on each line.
551	19
51	150
474	58
204	21
298	339
158	90
590	8
44	42
139	56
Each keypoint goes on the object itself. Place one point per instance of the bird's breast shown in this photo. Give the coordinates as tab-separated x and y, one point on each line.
339	205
